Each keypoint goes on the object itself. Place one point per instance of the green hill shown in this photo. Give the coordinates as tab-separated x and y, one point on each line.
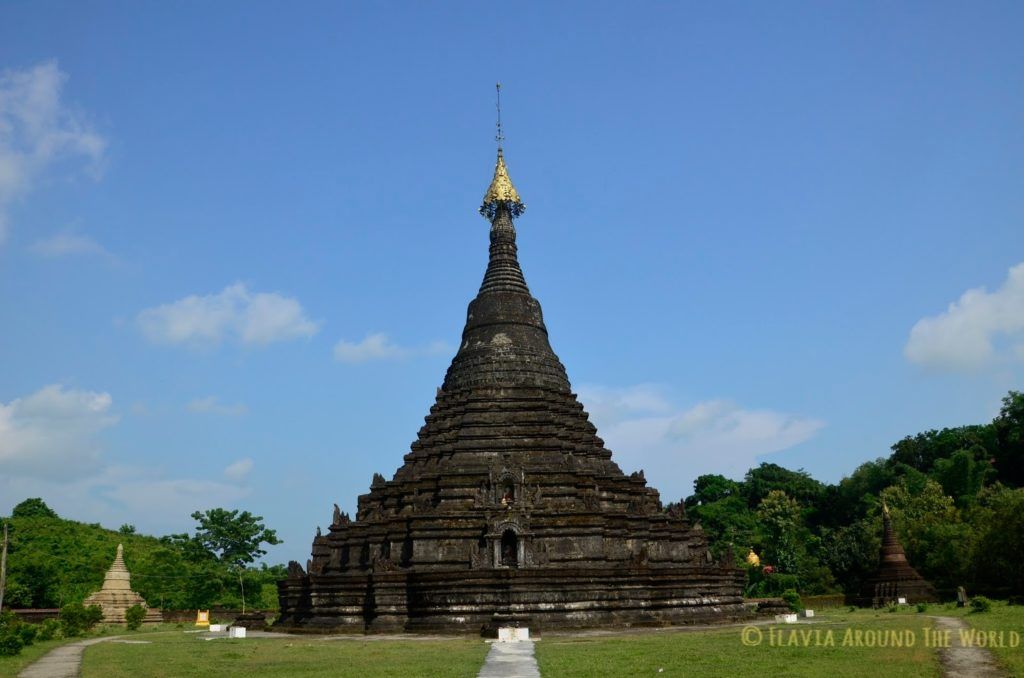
53	561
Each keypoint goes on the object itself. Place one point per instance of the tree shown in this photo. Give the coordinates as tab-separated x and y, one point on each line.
766	478
1009	428
963	475
1000	547
781	522
33	508
233	538
711	488
922	450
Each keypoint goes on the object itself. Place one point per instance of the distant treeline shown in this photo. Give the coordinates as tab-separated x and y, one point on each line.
955	496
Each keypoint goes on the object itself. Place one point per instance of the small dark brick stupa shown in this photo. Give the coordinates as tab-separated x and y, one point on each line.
508	507
895	578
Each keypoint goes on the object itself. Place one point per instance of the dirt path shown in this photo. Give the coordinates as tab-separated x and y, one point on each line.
964	661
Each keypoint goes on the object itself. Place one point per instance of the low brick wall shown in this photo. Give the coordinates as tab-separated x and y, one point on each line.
823	602
36	615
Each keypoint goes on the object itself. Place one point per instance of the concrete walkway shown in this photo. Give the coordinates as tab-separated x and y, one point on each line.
510	660
964	661
62	662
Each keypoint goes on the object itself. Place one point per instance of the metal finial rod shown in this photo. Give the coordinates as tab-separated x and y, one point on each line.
500	136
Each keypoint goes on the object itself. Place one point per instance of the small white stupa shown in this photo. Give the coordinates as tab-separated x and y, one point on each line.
116	596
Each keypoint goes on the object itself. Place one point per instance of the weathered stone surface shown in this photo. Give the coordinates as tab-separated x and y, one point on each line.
895	578
508	504
116	595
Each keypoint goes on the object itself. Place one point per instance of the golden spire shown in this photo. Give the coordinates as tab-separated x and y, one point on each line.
501	191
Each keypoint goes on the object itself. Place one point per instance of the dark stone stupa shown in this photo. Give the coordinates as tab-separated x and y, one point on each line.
508	506
895	578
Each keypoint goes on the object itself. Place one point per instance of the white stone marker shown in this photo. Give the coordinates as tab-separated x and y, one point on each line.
236	632
785	618
512	634
808	613
216	627
901	601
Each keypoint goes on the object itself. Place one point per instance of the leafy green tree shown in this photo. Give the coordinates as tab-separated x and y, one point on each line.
728	524
234	538
856	495
708	489
963	474
924	449
850	552
767	478
33	508
999	552
1009	430
789	545
781	521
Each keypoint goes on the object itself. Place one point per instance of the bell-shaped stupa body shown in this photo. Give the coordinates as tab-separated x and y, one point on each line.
116	595
508	505
894	578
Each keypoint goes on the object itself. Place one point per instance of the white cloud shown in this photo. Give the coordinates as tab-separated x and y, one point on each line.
675	445
50	448
53	432
378	346
612	405
212	405
68	244
967	335
36	130
234	313
239	469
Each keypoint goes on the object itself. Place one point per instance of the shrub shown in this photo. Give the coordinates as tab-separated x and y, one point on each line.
10	642
27	632
792	599
10	636
922	607
47	630
134	615
980	604
1015	600
764	584
76	619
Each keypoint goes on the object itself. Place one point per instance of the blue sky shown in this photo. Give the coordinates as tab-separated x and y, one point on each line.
238	240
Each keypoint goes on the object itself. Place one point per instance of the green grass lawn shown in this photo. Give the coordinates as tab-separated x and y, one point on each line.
177	653
723	653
